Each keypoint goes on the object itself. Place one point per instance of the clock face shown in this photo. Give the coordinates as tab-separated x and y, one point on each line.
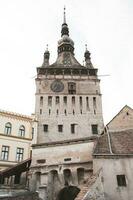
57	86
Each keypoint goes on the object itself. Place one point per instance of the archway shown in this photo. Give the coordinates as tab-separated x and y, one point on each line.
68	193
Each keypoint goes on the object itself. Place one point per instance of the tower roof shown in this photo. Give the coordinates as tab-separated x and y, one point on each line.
65	57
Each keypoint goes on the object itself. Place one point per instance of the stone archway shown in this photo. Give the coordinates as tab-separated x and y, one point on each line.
68	193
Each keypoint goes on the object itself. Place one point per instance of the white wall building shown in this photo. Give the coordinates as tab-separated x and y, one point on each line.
17	133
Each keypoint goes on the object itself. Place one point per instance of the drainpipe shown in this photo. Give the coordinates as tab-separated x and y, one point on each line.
109	140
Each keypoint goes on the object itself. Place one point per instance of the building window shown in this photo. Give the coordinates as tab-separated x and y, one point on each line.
57	100
72	88
67	159
87	103
94	128
60	128
45	127
5	153
8	128
80	101
40	111
94	103
73	128
65	112
22	131
65	100
121	180
73	100
41	101
32	132
19	154
49	100
49	111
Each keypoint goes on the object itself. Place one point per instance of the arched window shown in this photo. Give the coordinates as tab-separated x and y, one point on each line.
22	131
8	128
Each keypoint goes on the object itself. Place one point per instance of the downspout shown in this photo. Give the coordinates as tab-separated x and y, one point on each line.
109	140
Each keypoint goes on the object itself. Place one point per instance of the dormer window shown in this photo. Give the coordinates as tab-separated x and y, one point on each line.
72	88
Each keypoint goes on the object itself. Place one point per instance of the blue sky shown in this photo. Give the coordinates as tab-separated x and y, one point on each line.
26	26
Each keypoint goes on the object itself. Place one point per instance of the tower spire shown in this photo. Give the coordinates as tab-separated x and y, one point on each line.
64	30
64	22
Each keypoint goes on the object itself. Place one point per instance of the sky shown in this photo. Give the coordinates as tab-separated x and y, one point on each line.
26	26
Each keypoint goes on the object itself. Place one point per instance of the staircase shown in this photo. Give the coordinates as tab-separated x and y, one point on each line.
89	182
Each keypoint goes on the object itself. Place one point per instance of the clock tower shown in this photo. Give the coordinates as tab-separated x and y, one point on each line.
69	112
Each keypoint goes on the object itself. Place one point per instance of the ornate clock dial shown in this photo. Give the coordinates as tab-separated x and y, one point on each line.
57	86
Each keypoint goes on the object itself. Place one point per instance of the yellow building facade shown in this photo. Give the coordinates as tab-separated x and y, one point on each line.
17	134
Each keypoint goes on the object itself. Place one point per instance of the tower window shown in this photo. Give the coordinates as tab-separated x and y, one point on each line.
94	102
65	100
57	100
40	111
8	128
49	111
5	152
57	112
73	100
65	112
41	101
49	100
45	127
87	103
72	88
73	128
121	180
60	128
94	128
80	101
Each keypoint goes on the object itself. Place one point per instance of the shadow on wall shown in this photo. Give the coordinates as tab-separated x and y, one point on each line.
68	193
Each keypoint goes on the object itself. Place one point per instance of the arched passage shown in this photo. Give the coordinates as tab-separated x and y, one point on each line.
68	193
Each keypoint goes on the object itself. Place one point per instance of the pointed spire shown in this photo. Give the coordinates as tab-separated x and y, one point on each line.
64	15
64	30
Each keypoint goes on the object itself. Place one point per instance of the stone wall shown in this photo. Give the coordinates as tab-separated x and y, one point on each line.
22	196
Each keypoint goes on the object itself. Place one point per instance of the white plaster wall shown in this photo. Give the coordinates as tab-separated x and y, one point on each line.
111	168
87	87
78	152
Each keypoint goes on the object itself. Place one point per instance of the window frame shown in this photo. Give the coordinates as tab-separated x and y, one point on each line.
21	132
121	180
60	128
45	128
8	128
5	152
94	127
19	154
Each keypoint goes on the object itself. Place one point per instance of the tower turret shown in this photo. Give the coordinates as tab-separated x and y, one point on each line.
46	57
87	54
